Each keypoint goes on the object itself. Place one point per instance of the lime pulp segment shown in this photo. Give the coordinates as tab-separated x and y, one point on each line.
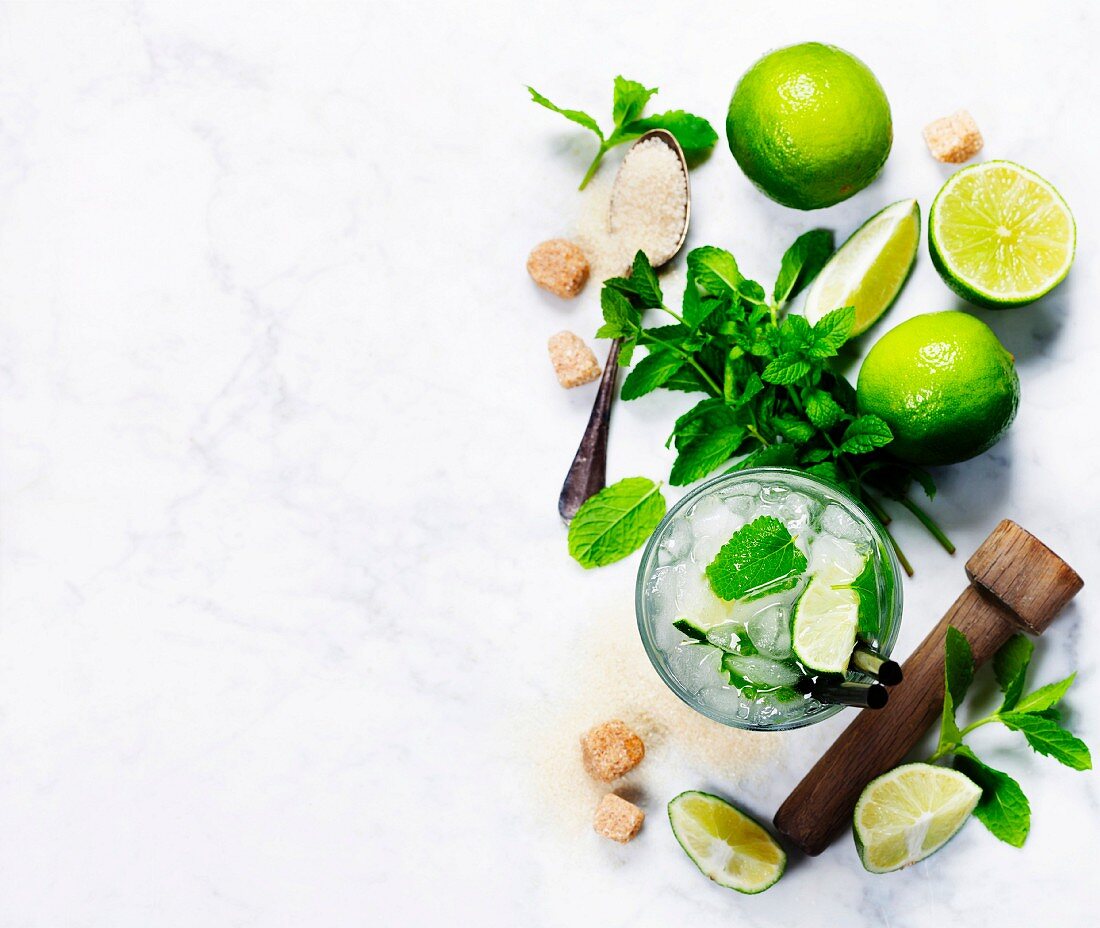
909	813
727	845
868	271
1000	235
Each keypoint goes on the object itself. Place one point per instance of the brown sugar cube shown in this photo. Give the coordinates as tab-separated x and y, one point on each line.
953	139
558	266
611	750
573	360
618	819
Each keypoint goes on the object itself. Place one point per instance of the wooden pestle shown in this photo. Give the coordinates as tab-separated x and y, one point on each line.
1016	584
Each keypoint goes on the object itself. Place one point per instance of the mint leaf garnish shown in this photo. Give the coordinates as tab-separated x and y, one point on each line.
615	522
801	263
1045	697
760	558
1047	737
865	586
1010	668
1003	808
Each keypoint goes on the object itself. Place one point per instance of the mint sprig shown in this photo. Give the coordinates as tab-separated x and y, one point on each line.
1004	808
695	135
615	522
760	558
771	394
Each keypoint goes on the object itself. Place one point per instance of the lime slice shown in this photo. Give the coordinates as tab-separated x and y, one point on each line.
826	618
909	813
1000	235
724	843
868	270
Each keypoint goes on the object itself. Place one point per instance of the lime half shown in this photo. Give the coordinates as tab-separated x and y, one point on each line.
725	844
826	618
868	270
910	813
1000	235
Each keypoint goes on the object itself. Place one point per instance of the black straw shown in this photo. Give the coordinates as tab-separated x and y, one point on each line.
888	672
860	695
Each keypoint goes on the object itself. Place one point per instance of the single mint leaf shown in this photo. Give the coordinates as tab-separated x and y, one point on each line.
924	479
629	100
815	455
822	410
645	281
687	380
695	135
831	331
1010	668
866	434
1003	808
801	263
796	431
1045	697
795	334
865	586
768	456
786	369
752	388
715	270
826	470
581	119
752	291
615	522
958	664
704	418
621	319
650	373
950	735
701	455
760	558
1047	737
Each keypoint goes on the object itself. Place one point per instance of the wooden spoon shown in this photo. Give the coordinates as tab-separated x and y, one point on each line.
588	472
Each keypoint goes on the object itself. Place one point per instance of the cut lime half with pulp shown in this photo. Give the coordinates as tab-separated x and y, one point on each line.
910	813
1000	235
826	618
724	843
868	270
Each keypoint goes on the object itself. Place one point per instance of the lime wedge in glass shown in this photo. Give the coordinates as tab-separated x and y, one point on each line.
1000	235
868	270
725	844
826	618
909	813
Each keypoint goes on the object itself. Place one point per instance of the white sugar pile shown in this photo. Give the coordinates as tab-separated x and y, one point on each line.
611	678
646	213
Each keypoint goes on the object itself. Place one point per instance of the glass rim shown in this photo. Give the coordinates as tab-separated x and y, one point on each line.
645	568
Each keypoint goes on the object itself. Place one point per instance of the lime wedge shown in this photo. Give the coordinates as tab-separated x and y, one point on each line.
725	844
1000	235
826	618
868	270
909	813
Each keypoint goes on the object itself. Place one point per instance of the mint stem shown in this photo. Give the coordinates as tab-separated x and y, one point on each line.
595	164
929	523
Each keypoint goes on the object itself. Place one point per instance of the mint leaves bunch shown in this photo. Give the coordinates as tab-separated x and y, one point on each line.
1004	808
695	135
771	394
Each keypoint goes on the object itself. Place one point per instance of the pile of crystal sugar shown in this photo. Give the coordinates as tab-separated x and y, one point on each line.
650	200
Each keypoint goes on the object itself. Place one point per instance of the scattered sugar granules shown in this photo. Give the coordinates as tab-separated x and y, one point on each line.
953	139
642	208
558	266
608	676
574	362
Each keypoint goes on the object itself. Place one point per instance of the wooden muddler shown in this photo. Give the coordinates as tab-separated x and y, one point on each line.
1016	584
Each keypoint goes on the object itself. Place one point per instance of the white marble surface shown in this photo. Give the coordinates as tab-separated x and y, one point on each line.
279	450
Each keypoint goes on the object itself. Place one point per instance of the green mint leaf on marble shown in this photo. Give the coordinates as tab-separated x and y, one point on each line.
1010	668
615	522
628	100
620	318
1046	697
577	116
1003	808
866	434
761	557
832	331
958	667
695	135
801	263
650	373
1048	737
715	270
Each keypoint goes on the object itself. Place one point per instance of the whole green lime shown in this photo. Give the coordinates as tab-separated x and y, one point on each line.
809	125
944	384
